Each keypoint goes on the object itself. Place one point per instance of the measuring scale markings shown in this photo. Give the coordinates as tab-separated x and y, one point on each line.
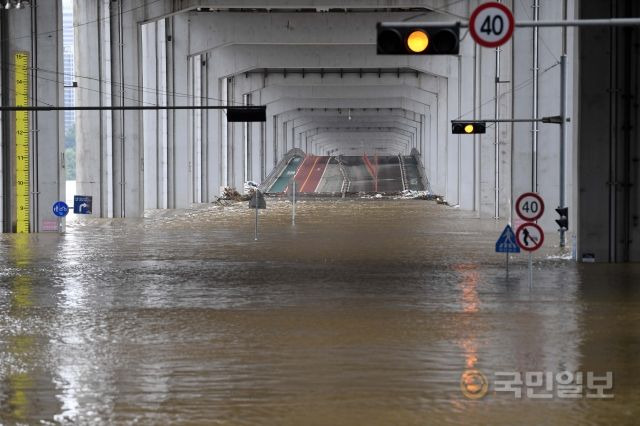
22	142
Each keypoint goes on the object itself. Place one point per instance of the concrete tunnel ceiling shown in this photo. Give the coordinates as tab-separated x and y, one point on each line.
306	81
346	85
321	82
308	127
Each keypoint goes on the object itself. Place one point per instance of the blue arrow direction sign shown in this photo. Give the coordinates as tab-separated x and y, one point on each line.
60	209
507	242
82	204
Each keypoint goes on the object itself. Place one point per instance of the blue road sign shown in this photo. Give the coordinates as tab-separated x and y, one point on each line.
60	209
82	204
507	242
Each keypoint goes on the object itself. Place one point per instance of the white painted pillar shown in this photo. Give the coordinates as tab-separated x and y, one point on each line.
150	96
213	131
180	167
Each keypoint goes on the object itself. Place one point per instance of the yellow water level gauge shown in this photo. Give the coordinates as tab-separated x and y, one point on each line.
22	142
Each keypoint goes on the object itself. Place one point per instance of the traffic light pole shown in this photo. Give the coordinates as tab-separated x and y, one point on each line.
614	22
555	119
563	138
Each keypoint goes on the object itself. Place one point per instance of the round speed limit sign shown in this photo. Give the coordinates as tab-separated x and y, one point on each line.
529	206
491	24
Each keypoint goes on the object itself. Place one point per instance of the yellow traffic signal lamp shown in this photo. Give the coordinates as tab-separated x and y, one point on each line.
468	127
418	41
410	38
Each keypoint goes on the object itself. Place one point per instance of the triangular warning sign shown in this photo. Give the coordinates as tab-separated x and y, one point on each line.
507	242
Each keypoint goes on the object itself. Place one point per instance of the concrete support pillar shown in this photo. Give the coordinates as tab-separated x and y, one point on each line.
154	92
34	30
5	131
255	130
197	132
213	126
180	166
151	125
240	85
48	127
465	144
271	151
608	171
204	160
91	173
127	147
110	144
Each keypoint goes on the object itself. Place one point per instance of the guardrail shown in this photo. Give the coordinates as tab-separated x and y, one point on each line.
421	171
403	173
279	168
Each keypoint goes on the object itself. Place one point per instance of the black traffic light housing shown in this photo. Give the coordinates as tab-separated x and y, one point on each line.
243	114
563	222
468	127
430	38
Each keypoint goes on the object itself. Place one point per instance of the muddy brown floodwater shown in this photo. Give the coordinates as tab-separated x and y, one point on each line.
366	313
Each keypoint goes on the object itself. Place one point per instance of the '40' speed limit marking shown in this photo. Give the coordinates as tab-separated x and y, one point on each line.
491	24
530	206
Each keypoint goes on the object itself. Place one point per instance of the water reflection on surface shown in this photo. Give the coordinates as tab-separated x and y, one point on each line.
367	312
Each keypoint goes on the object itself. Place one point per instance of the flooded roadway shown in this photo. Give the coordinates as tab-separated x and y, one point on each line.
367	312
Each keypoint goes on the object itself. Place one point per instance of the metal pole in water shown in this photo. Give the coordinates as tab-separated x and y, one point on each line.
563	136
507	265
530	271
256	234
293	218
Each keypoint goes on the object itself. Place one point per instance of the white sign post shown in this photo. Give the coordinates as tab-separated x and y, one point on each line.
529	235
293	215
491	24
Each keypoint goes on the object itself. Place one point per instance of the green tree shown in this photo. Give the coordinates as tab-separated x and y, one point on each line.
70	137
70	162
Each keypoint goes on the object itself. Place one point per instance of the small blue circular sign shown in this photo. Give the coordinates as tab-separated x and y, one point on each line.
60	209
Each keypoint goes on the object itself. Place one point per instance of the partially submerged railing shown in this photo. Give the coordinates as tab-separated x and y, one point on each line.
279	168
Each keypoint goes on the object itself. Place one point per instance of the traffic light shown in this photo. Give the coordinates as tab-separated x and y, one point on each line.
468	127
563	222
240	114
410	38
